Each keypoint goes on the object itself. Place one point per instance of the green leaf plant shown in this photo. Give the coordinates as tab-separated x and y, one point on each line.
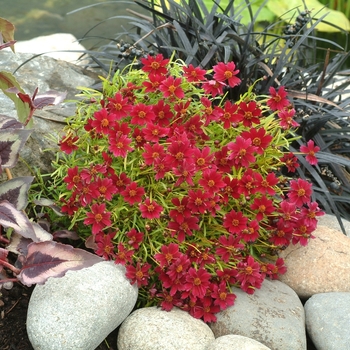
162	173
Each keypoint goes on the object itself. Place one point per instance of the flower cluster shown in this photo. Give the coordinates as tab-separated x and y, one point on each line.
184	187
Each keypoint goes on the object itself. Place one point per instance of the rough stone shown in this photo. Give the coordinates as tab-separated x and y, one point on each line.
152	328
47	74
273	316
332	222
79	310
328	319
317	267
235	342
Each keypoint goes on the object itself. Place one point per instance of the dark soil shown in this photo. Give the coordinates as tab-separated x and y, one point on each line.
13	315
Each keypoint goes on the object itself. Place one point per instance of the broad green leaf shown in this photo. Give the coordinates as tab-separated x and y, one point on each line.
7	80
7	30
284	9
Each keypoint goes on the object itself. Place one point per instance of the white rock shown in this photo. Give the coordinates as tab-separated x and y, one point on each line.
55	42
331	222
235	342
273	315
328	320
79	310
322	266
152	328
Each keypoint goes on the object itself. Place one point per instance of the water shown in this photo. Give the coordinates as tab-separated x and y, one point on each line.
44	17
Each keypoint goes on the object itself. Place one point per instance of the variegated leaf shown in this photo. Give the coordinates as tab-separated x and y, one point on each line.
16	191
11	142
10	216
52	259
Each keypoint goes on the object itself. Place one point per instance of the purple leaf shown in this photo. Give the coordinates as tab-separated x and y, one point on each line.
19	244
49	98
11	142
7	122
12	217
52	259
16	191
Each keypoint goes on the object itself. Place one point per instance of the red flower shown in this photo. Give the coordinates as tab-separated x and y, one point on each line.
135	238
259	138
213	87
123	255
249	275
73	178
310	150
163	113
265	185
178	152
183	229
99	218
209	113
227	275
194	74
67	144
181	211
138	274
106	188
242	152
155	65
203	158
211	181
291	162
247	184
185	173
229	190
263	206
132	193
282	233
103	121
222	296
153	132
251	113
153	84
150	209
169	253
229	114
153	153
179	267
226	72
170	87
105	246
251	233
204	308
119	106
197	201
278	100
119	146
274	270
300	192
286	119
121	181
142	114
235	222
310	214
197	282
229	247
303	232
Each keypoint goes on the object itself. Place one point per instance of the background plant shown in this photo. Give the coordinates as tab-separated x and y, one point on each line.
310	66
183	187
